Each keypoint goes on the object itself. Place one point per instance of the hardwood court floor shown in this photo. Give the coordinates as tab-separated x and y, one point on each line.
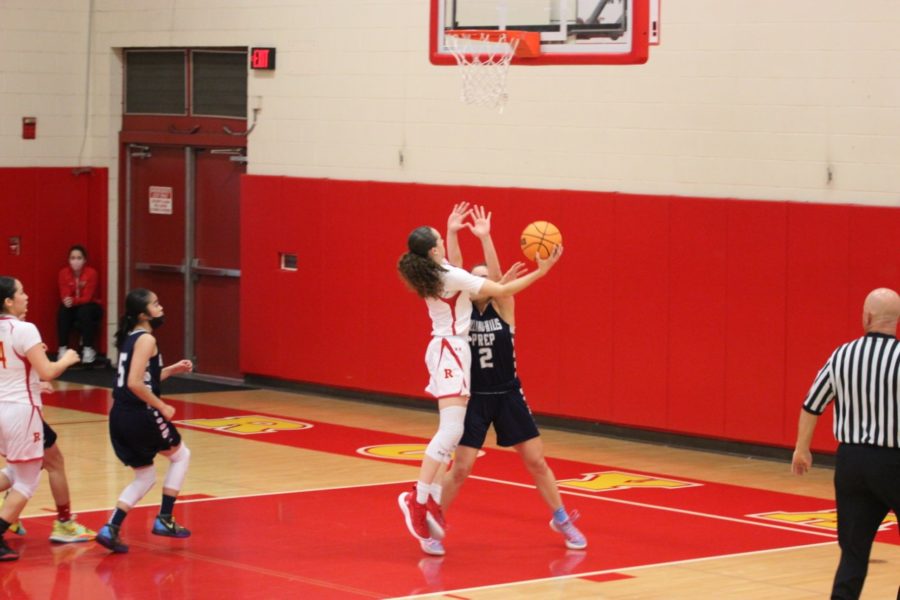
311	512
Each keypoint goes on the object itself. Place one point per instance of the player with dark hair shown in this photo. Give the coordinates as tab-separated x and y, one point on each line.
446	290
140	423
23	363
497	399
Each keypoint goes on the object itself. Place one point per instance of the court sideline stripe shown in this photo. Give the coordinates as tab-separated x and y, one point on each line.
606	571
236	497
665	508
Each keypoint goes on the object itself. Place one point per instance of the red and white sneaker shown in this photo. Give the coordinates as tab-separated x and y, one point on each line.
434	517
414	515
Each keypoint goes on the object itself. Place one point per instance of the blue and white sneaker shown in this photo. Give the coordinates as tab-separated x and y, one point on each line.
108	537
166	526
575	540
432	546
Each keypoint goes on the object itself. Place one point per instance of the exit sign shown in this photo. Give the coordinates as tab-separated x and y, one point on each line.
262	58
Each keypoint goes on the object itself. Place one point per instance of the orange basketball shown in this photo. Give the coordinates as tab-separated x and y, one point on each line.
539	239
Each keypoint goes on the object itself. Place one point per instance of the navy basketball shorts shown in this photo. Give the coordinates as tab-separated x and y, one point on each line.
139	435
49	436
506	411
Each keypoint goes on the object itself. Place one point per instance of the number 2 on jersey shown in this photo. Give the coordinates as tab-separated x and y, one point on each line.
484	357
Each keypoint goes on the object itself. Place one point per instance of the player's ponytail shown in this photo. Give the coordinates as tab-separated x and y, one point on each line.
135	303
418	270
7	290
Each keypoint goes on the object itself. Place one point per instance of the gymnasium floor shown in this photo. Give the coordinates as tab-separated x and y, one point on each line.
294	496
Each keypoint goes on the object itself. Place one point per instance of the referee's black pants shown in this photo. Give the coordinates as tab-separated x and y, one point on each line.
867	486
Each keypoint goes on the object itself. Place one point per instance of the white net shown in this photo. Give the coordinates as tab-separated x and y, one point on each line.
484	62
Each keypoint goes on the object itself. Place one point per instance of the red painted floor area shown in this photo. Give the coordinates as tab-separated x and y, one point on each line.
351	543
707	497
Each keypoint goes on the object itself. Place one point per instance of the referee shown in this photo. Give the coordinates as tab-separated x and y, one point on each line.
863	376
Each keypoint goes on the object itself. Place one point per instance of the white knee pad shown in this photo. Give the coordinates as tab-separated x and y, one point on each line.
450	430
25	477
7	472
177	468
144	478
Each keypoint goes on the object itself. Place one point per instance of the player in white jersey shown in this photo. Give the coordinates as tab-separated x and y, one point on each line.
23	364
447	292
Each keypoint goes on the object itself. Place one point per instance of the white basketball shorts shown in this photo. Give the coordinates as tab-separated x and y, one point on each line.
449	361
21	432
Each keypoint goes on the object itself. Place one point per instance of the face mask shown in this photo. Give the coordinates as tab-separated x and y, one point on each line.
157	322
76	263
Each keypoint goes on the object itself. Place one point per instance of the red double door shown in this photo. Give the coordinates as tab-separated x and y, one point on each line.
181	226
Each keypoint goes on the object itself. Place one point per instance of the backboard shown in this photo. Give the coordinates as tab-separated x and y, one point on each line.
571	31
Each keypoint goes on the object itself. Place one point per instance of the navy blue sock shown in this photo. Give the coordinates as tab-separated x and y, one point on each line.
118	517
167	506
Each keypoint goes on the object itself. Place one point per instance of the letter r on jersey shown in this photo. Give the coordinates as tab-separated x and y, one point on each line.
448	373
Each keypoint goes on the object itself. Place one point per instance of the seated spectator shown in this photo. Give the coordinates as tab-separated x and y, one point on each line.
80	308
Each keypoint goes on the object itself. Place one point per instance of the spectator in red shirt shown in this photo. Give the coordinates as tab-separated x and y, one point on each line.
80	308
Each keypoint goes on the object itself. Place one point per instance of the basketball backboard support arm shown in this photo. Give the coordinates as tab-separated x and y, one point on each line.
595	16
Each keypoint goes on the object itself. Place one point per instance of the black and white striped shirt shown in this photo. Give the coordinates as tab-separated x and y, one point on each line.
864	377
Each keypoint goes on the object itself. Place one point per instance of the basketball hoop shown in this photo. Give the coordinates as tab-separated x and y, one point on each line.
484	57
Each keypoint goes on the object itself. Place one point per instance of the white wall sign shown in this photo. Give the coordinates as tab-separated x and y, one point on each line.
160	200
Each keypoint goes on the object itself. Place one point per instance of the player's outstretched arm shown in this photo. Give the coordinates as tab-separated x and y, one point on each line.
46	370
455	222
492	288
481	227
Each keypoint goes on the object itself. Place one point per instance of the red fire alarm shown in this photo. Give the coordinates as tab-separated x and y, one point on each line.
15	245
262	58
29	128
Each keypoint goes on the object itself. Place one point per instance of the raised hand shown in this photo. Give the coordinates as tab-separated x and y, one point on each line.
545	264
455	221
481	222
514	272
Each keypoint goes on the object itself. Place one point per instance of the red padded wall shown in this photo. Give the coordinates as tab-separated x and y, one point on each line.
51	209
640	273
818	304
696	350
754	315
702	317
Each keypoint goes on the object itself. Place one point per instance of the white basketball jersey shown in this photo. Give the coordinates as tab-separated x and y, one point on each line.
19	382
451	314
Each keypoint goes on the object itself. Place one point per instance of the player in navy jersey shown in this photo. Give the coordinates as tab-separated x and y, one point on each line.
140	423
497	399
446	290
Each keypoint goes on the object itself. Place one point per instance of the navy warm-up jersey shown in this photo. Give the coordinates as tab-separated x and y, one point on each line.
122	396
493	352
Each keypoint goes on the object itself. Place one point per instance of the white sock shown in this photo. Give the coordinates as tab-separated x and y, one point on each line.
422	492
435	489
